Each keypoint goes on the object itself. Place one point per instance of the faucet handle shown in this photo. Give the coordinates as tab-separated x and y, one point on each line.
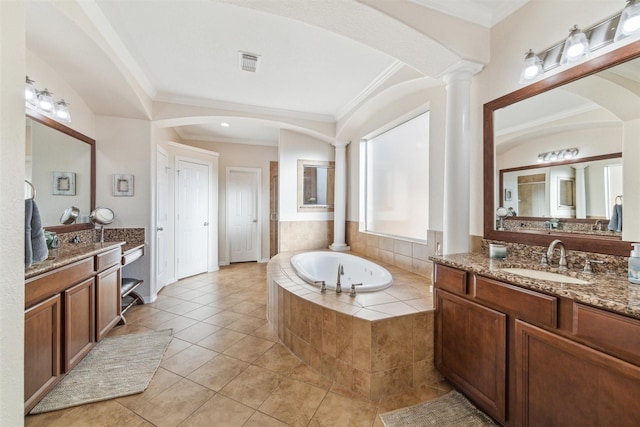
323	285
543	258
588	269
353	289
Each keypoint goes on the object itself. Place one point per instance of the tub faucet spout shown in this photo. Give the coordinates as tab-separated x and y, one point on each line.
338	284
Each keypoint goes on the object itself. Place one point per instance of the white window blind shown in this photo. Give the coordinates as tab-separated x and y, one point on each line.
397	180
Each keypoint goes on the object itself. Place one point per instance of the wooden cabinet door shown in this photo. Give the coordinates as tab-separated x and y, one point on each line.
470	350
79	322
41	350
107	301
562	383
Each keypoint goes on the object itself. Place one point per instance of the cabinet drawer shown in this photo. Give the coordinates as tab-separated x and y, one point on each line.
609	331
45	285
107	259
524	304
450	279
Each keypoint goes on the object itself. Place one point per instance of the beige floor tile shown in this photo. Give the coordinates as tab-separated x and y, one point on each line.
217	372
163	302
223	318
101	414
221	340
153	320
247	324
128	329
176	404
246	307
183	308
252	386
219	411
188	360
197	332
293	402
175	346
248	348
266	332
162	380
303	372
258	419
337	410
203	312
278	359
409	398
177	324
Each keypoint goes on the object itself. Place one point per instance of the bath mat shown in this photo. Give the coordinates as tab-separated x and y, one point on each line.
452	409
116	367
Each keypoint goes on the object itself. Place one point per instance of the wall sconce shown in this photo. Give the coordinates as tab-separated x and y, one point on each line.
580	43
576	47
629	20
532	67
552	156
42	100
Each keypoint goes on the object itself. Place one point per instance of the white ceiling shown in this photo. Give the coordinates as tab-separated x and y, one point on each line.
186	52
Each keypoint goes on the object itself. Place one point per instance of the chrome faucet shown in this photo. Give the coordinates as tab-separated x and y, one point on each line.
562	263
338	284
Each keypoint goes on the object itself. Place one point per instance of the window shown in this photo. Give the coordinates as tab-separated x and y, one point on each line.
395	180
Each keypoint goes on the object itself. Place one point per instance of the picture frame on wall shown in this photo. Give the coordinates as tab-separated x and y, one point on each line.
64	183
507	194
123	185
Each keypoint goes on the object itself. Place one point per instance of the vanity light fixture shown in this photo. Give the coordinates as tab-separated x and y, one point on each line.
30	92
532	67
629	20
62	111
552	156
576	47
42	101
580	43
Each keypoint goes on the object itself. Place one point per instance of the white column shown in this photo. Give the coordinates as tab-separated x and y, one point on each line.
340	198
456	158
581	192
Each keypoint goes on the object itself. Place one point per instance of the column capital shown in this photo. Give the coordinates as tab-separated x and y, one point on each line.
461	70
340	144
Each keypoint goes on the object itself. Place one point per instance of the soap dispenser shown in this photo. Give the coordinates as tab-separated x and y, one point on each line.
634	264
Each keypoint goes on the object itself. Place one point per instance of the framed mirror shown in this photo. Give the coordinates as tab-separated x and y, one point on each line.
316	182
595	104
60	164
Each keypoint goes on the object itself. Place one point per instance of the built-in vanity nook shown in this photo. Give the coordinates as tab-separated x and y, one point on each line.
528	341
77	295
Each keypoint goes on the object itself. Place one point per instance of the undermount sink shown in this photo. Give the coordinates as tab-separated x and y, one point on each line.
544	275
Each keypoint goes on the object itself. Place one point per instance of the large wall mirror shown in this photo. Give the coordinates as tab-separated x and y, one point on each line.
557	149
60	164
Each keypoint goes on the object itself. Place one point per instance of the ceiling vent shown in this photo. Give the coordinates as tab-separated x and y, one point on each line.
248	61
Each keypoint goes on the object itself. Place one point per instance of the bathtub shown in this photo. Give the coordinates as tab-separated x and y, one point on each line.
314	267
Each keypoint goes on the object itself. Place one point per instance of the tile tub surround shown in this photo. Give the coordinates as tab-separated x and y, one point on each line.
409	256
611	291
376	344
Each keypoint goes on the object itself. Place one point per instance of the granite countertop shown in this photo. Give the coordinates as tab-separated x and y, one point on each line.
610	291
69	254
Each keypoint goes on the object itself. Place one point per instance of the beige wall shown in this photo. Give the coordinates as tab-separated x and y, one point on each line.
246	156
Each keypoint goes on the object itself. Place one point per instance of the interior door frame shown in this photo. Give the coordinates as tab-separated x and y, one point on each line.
176	161
258	173
171	275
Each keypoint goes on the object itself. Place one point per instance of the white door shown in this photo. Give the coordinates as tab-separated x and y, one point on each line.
192	227
242	214
162	219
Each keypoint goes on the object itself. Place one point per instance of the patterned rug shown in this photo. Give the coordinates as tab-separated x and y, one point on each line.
116	367
452	409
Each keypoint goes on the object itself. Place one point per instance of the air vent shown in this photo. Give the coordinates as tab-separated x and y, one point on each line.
248	61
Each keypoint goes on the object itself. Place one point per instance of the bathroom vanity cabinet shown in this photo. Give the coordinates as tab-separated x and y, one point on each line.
67	310
529	358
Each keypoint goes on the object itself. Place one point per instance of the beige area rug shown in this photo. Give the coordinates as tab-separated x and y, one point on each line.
452	409
116	367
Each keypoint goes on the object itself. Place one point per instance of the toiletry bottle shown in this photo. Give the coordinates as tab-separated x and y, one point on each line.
634	264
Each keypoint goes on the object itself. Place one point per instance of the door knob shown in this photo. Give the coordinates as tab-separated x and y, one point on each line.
160	229
206	224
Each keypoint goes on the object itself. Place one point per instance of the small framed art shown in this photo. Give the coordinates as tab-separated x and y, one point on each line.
122	185
64	183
